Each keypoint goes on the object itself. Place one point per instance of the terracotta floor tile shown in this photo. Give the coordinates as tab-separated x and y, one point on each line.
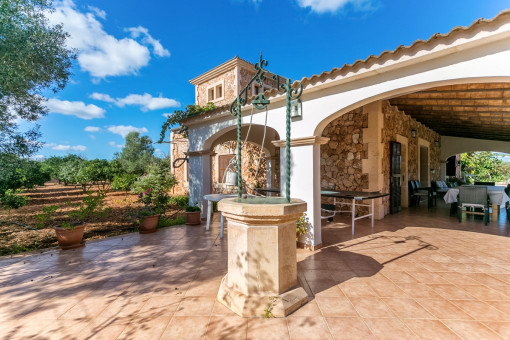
220	310
389	328
145	328
20	329
196	306
386	289
342	275
106	329
407	308
481	311
159	306
227	327
399	277
471	329
325	288
486	279
484	293
186	328
428	277
335	306
371	307
501	328
309	309
308	328
259	328
349	328
430	329
62	329
208	288
357	289
314	275
419	290
458	278
451	292
88	308
443	309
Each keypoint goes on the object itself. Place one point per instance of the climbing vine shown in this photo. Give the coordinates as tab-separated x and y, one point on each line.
179	116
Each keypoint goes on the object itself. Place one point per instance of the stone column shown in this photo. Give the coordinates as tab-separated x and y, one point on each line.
199	178
262	268
305	182
372	166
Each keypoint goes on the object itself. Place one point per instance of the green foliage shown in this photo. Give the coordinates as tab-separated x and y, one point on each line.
69	169
179	116
268	312
11	199
192	208
34	57
302	225
17	173
124	182
483	165
48	213
164	222
152	189
180	201
92	206
99	172
137	154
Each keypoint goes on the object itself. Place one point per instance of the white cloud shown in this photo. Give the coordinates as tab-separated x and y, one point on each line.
147	102
115	145
123	130
166	115
92	129
78	109
38	158
62	147
102	97
159	50
98	12
93	137
323	6
100	53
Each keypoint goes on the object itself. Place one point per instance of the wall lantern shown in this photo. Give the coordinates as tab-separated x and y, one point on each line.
436	143
413	133
296	108
432	171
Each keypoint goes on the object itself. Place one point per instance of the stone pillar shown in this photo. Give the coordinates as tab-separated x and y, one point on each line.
262	267
305	182
199	178
372	166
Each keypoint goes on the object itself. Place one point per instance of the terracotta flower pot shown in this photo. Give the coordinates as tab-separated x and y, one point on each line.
149	224
193	218
70	238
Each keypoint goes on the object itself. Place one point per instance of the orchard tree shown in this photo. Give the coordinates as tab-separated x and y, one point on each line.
137	154
33	59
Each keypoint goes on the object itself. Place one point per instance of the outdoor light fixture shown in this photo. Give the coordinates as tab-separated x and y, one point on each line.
296	108
432	171
413	133
436	143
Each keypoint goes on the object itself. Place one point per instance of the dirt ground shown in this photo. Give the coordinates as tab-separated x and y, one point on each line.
121	220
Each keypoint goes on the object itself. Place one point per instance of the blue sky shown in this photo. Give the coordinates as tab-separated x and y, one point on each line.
135	58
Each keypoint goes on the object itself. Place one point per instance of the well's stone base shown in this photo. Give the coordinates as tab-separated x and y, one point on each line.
277	306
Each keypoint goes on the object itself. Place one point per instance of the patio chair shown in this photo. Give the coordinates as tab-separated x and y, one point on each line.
440	187
471	197
417	193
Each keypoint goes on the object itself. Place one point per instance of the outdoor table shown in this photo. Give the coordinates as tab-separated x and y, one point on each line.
215	198
496	195
353	196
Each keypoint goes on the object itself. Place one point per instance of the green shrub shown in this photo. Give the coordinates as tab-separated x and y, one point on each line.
11	199
124	182
192	208
164	222
180	201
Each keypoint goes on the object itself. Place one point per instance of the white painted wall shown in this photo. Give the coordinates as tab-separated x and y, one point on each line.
454	145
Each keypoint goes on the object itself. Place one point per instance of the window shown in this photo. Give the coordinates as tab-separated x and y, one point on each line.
215	92
223	161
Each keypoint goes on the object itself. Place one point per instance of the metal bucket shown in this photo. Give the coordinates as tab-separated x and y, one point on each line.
231	178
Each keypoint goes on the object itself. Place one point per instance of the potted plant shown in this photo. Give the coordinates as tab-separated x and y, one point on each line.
154	204
152	192
70	235
193	215
301	226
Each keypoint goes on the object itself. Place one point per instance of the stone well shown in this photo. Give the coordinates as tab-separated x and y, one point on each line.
262	268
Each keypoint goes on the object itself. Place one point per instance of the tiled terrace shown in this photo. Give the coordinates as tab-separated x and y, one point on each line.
419	274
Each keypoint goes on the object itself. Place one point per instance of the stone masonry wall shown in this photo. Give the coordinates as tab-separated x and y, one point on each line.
397	122
250	157
178	149
229	88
